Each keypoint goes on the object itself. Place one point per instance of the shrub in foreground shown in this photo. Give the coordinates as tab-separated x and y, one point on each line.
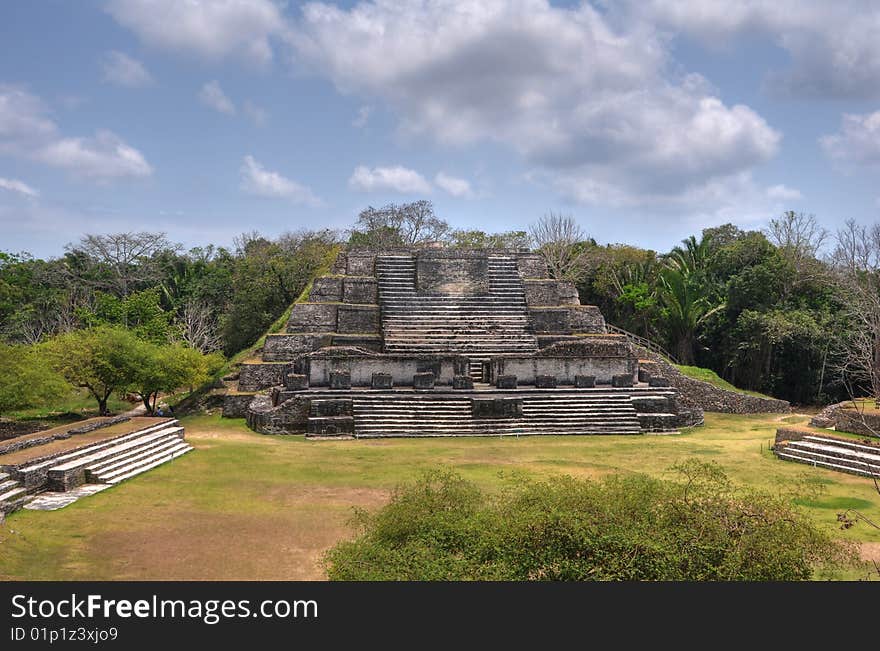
624	527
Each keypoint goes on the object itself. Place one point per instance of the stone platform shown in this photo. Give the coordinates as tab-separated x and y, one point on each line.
438	342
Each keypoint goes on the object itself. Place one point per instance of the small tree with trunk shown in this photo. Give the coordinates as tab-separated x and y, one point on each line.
102	360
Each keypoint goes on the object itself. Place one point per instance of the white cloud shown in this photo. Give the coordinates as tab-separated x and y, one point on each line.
212	29
213	97
23	117
362	117
105	156
257	180
123	70
14	185
460	188
558	85
255	114
858	141
27	131
393	179
833	47
784	193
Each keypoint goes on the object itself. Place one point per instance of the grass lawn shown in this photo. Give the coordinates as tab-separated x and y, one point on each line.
248	506
79	404
710	376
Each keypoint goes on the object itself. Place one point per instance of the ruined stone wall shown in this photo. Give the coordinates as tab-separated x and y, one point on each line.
696	393
290	417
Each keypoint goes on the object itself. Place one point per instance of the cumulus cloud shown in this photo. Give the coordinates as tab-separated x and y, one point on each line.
833	47
784	193
558	85
19	187
106	156
257	180
857	142
27	131
212	96
212	29
456	187
123	70
393	179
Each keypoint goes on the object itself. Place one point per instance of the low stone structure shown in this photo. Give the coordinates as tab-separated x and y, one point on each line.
697	394
438	342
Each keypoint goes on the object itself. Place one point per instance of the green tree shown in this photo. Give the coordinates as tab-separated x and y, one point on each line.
167	368
140	312
27	380
101	360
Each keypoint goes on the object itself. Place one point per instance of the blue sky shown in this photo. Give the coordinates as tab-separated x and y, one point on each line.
647	120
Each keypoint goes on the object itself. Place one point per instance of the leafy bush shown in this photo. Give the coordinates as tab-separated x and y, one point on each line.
624	527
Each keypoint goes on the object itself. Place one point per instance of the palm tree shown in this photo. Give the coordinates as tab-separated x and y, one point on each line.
686	294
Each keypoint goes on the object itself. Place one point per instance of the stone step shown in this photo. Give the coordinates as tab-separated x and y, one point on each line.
148	464
63	477
89	449
824	461
116	449
869	449
4	476
172	440
842	452
6	484
12	494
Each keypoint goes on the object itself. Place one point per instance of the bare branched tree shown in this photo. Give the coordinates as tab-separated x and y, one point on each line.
199	327
799	238
856	263
564	245
119	261
405	224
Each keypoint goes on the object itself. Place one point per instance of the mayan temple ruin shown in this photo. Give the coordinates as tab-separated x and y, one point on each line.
440	342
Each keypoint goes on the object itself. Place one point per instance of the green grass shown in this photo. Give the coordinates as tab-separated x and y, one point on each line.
79	404
249	506
710	376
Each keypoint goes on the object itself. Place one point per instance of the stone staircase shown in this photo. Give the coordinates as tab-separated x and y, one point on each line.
420	324
834	454
12	493
552	412
107	462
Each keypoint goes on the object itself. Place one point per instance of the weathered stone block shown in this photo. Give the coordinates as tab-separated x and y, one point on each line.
462	382
360	290
361	319
623	380
437	275
330	426
326	289
235	405
361	264
586	319
312	317
285	347
331	407
256	376
585	381
658	381
506	382
340	380
423	380
550	319
496	407
549	292
296	382
382	381
545	381
644	376
531	266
